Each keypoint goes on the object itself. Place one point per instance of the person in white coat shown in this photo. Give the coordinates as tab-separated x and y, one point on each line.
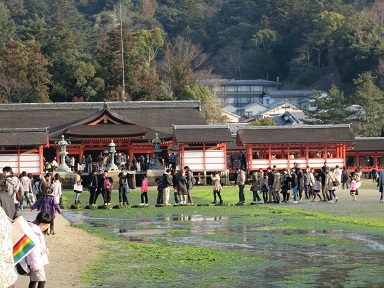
38	258
57	189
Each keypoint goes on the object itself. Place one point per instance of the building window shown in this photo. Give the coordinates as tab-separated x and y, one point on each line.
243	89
232	88
256	88
218	89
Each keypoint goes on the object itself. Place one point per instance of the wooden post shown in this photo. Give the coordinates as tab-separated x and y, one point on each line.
204	161
289	157
269	156
18	160
41	156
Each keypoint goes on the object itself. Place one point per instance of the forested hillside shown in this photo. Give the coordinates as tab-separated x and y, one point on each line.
70	50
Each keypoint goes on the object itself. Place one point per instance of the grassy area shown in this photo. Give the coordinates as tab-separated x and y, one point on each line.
267	245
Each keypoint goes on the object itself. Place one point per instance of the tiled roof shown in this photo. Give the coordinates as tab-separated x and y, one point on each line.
252	104
157	116
23	137
288	93
296	134
232	82
111	130
277	104
202	133
369	144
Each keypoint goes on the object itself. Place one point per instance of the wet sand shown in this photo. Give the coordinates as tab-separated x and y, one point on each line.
70	251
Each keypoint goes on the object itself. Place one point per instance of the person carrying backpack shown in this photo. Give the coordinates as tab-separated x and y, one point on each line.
13	186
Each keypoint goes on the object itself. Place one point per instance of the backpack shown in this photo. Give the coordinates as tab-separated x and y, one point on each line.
193	179
22	268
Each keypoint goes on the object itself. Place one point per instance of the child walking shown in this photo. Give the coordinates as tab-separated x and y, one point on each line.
48	204
353	188
144	191
316	189
38	258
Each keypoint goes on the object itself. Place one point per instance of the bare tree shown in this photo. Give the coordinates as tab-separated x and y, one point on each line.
183	64
376	12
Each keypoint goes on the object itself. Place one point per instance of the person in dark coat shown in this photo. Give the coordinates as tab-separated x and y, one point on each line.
93	185
100	186
183	187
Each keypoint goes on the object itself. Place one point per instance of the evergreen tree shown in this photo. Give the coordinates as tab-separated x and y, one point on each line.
332	108
371	99
23	73
263	122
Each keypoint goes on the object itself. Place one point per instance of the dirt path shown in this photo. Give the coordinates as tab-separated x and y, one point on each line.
70	251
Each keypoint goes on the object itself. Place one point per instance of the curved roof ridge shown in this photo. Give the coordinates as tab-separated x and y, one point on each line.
222	126
101	105
328	126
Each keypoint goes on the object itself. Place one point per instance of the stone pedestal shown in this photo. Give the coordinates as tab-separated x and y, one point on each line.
156	165
153	174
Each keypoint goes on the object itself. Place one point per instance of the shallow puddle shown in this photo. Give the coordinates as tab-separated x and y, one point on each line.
293	257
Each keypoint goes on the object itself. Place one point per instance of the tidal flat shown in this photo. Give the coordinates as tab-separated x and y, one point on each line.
312	244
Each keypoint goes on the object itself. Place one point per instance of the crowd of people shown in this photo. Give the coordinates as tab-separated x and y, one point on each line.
45	194
299	184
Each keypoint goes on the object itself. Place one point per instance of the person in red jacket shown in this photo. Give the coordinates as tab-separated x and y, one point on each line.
144	191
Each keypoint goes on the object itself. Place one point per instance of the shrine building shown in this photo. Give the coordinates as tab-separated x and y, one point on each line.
30	131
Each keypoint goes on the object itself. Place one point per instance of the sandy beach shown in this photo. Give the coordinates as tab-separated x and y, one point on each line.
65	258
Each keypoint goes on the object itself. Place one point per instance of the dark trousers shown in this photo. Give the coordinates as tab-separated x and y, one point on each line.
123	190
218	194
285	195
241	193
98	192
176	196
107	195
160	197
256	196
300	190
92	195
265	195
144	197
52	226
40	284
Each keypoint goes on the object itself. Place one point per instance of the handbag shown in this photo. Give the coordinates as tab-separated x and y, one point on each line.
336	183
77	188
23	239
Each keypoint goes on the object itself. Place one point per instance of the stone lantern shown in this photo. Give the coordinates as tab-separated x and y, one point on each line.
63	152
156	165
112	151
